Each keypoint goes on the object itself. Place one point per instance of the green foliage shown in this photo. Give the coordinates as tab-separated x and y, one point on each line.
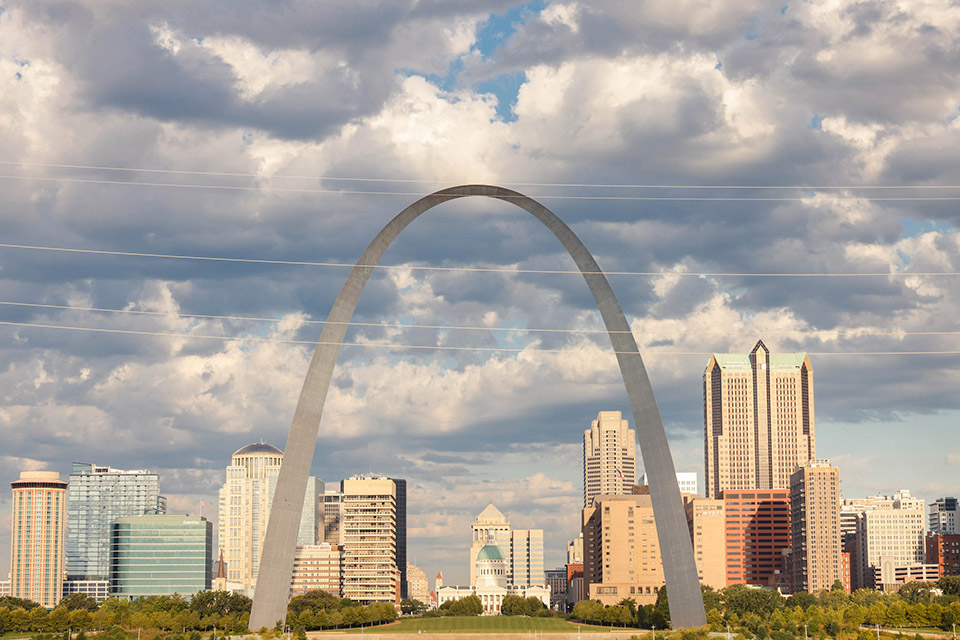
469	606
741	599
76	601
10	602
518	606
801	599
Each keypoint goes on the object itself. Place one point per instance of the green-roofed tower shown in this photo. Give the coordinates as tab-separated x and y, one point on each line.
758	419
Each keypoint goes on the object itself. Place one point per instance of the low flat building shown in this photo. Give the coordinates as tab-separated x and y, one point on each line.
317	566
97	589
890	575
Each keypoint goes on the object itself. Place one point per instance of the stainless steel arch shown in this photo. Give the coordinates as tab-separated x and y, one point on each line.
276	562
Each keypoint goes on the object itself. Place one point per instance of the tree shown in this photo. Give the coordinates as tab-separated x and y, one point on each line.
661	609
76	601
412	606
588	611
316	600
896	615
801	599
11	602
950	585
220	603
740	599
512	606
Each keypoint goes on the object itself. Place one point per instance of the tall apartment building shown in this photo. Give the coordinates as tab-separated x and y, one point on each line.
156	555
758	418
816	560
943	550
371	538
888	532
37	537
609	457
522	549
944	516
686	480
757	535
706	523
97	496
621	550
317	566
244	512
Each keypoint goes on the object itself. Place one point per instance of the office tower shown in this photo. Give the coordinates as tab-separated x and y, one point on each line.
418	588
370	539
758	419
556	581
37	537
815	552
705	521
943	550
621	550
757	534
686	480
944	516
317	566
609	457
401	489
888	533
331	514
155	555
96	497
244	512
526	557
575	550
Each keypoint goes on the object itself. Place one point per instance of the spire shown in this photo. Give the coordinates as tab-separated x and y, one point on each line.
222	568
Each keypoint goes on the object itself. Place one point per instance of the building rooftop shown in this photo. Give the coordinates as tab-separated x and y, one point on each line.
258	447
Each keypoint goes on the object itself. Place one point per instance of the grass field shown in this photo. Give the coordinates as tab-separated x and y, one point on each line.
482	624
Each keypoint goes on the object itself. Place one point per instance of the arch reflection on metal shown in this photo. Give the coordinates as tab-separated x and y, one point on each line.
276	562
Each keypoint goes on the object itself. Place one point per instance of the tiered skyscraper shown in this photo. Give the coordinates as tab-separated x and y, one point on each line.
609	457
758	419
38	527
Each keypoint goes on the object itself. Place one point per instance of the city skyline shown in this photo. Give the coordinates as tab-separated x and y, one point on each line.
547	93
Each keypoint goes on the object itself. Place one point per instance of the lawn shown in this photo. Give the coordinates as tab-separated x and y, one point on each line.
482	624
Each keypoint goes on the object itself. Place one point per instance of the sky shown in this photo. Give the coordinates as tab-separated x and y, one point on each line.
691	145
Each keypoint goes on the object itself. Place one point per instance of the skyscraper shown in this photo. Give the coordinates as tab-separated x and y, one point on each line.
245	501
332	513
815	552
758	419
888	532
944	516
609	457
96	497
38	528
371	540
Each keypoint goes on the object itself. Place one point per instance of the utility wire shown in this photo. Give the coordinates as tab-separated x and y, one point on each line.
422	181
446	327
705	274
410	194
384	345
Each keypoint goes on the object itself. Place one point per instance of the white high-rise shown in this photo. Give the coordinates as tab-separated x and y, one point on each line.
245	502
609	457
888	533
944	516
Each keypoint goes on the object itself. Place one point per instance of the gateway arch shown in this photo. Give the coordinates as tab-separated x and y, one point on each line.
276	562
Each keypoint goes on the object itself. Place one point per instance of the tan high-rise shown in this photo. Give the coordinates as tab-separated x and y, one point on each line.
609	457
370	569
38	564
758	419
815	552
706	522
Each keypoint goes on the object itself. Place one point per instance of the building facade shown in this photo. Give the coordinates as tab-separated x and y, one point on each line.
331	515
887	531
758	414
575	550
317	566
38	537
621	550
944	516
370	539
492	584
556	581
686	480
155	555
418	587
815	551
609	457
757	534
244	511
706	523
96	497
522	548
943	550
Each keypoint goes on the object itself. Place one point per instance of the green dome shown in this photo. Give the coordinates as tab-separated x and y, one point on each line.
490	552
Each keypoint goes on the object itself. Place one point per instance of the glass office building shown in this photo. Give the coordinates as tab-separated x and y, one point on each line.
96	497
160	555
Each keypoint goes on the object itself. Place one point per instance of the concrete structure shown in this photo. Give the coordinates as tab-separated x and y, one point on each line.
556	581
890	575
815	553
758	419
317	566
331	515
575	550
686	480
244	510
38	537
886	530
418	587
609	457
96	497
492	585
683	588
706	523
370	539
757	534
944	516
621	551
156	555
943	550
97	589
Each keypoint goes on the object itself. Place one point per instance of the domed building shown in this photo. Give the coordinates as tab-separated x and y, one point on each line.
245	502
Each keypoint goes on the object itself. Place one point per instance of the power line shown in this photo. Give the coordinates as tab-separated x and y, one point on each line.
304	263
423	181
383	345
410	194
445	327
